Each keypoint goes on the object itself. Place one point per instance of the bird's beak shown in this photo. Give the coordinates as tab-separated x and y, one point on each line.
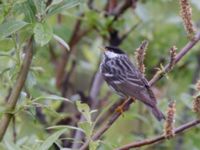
102	49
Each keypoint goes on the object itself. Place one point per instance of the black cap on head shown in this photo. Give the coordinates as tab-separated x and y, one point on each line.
114	49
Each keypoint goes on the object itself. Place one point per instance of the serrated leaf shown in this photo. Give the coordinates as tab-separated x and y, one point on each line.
42	33
51	139
87	128
84	110
10	27
66	4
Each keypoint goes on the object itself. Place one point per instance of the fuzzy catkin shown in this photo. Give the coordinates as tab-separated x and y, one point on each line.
140	54
170	120
186	14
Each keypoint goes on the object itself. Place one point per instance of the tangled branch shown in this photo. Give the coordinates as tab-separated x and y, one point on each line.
157	77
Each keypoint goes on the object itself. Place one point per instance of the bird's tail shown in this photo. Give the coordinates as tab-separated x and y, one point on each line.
157	113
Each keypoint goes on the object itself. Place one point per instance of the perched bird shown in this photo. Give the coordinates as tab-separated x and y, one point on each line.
126	80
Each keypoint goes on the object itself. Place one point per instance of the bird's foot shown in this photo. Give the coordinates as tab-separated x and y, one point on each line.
120	109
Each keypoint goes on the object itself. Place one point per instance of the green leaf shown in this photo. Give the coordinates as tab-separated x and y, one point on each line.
55	2
93	145
85	110
66	4
31	80
11	146
51	97
20	1
29	10
65	126
1	16
42	33
51	139
87	128
6	44
40	6
61	41
10	27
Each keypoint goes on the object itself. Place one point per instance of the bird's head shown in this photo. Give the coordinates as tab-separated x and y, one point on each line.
112	52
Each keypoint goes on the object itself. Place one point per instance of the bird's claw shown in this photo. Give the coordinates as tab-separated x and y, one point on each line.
120	110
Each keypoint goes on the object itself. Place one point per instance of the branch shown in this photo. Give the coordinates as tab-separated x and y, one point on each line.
160	138
106	126
121	8
77	34
94	91
111	5
178	57
157	77
17	88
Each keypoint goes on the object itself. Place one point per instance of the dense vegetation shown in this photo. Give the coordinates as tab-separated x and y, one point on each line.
52	95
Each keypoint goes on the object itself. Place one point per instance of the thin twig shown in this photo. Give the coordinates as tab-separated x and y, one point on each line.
157	77
62	63
159	138
127	33
111	5
90	6
14	130
17	88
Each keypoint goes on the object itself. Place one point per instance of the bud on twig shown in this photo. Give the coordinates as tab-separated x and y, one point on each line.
172	57
140	54
170	120
186	14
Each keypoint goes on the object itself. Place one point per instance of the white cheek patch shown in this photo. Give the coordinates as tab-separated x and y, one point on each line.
111	54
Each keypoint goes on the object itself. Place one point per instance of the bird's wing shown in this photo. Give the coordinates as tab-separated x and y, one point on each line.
128	82
136	88
135	76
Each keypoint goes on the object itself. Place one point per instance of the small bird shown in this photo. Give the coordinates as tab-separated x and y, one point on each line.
126	80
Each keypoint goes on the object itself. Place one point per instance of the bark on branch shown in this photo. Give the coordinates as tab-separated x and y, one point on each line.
17	88
160	138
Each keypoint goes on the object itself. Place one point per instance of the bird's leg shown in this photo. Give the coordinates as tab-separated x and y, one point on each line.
120	109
